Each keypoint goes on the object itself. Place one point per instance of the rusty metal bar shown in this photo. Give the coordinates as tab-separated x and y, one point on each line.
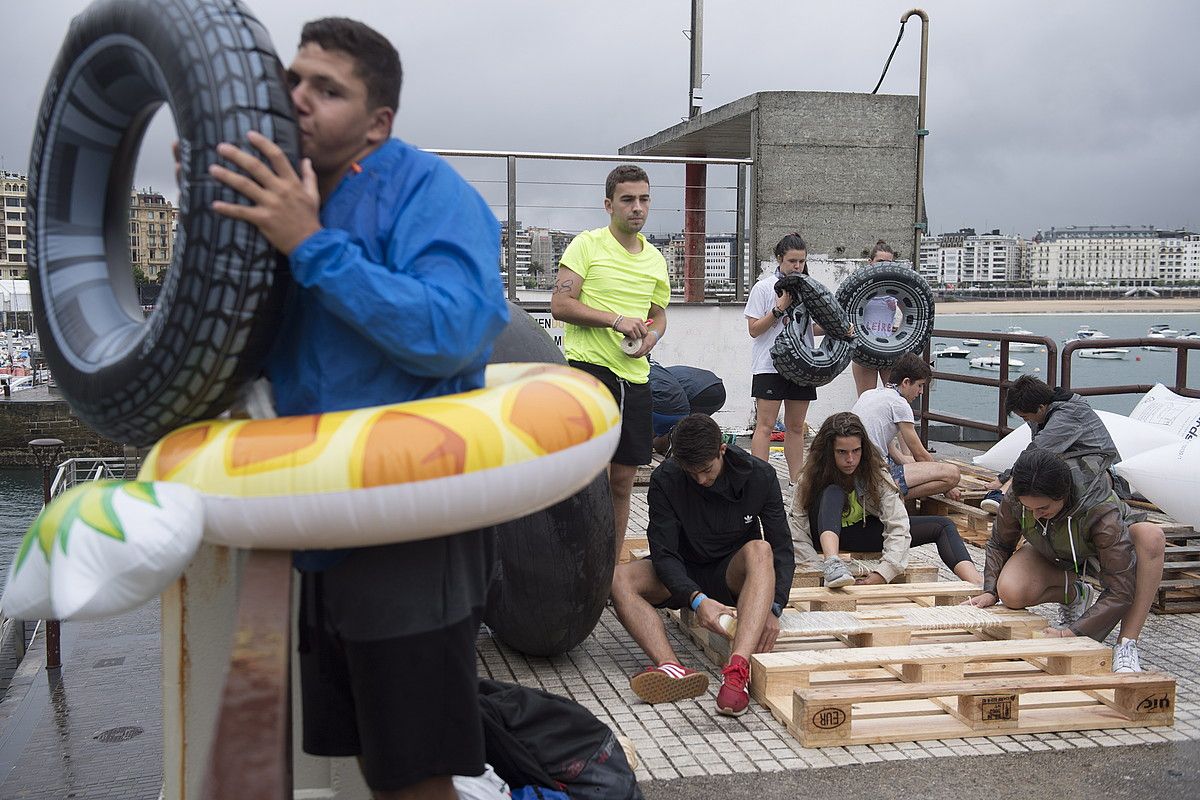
1002	382
1182	348
251	757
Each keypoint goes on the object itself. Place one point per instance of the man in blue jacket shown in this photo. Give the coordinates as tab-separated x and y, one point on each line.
398	297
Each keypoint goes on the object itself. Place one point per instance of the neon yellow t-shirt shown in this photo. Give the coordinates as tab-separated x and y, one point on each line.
618	281
854	513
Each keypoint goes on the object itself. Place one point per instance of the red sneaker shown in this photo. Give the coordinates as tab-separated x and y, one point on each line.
733	699
668	682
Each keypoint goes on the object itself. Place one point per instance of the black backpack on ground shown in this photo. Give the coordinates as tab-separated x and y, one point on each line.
535	738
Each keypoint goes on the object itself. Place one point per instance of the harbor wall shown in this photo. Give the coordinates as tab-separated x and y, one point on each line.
38	413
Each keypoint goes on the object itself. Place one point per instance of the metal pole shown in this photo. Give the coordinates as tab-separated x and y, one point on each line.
511	248
739	257
919	213
696	75
47	451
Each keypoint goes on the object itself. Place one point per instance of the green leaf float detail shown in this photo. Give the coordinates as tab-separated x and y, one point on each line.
90	503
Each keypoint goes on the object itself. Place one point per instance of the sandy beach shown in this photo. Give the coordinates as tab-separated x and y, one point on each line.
1124	305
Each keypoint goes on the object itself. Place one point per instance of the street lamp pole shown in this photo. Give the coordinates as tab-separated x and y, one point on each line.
47	452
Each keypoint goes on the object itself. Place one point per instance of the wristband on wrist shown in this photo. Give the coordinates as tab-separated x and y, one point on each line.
697	600
617	321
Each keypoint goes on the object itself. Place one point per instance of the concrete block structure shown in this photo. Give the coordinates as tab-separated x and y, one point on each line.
839	167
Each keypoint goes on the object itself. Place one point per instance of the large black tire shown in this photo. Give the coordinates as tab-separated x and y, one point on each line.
794	359
554	567
879	349
131	379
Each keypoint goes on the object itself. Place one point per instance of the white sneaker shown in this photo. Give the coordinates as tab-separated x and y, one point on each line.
837	573
1068	613
1125	657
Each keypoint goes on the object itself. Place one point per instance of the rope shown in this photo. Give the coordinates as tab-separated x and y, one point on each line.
812	623
889	58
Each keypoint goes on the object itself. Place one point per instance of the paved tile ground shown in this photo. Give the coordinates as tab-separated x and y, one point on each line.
48	728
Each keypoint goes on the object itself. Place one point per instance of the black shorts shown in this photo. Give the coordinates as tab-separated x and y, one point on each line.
712	580
407	706
773	386
636	404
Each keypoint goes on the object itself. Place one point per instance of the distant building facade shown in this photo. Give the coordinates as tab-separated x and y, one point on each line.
1096	255
13	252
152	222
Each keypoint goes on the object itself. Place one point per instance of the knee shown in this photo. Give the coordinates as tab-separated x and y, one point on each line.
625	583
951	473
758	552
1148	540
1011	592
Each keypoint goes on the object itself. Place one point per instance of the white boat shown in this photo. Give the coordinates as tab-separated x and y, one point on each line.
1156	347
971	342
1026	347
1107	353
992	363
1162	329
940	350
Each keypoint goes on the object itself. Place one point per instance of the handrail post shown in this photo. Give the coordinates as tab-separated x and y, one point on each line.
251	755
512	228
918	210
739	257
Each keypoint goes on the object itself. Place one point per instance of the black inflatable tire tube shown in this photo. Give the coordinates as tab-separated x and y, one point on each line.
916	301
132	379
793	358
554	568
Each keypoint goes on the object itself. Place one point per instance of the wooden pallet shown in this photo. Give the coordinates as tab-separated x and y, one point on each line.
918	571
973	523
886	615
1179	592
941	691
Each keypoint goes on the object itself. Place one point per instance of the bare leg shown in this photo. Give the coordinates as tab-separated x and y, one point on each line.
751	576
620	484
1148	542
926	478
794	412
1029	580
967	571
766	412
865	378
635	587
830	542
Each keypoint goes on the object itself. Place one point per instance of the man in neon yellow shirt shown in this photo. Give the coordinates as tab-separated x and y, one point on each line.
612	285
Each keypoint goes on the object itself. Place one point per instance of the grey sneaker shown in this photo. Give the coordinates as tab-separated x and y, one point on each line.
1068	613
1125	657
837	573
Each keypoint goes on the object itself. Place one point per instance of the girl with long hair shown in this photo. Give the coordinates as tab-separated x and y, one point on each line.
1073	524
846	500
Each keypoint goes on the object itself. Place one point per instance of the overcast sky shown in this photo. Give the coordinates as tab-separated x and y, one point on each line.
1041	112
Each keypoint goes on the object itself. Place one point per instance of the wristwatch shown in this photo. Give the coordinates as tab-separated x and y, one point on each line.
777	312
777	609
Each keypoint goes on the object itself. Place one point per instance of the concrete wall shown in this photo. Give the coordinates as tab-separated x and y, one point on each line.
838	167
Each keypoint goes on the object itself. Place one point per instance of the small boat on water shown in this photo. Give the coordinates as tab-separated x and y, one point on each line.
1106	353
1162	329
1027	347
992	363
971	342
940	350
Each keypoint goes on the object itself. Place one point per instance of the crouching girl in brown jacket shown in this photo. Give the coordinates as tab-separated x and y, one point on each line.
1074	525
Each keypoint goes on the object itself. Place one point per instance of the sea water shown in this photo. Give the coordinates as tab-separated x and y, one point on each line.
1139	366
20	502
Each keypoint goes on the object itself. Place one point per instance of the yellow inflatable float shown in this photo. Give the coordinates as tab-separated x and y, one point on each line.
535	435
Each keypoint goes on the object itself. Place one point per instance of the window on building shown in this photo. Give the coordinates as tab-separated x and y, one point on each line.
14	202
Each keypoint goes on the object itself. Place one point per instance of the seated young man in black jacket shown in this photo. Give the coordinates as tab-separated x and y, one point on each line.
719	543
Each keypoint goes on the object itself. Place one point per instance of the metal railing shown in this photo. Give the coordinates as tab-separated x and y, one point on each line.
1182	348
1001	428
1056	366
77	470
742	210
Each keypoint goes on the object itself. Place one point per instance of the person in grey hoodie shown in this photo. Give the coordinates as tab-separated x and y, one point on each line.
1062	422
1074	525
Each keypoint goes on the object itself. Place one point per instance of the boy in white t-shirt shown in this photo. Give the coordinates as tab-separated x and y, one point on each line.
886	414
